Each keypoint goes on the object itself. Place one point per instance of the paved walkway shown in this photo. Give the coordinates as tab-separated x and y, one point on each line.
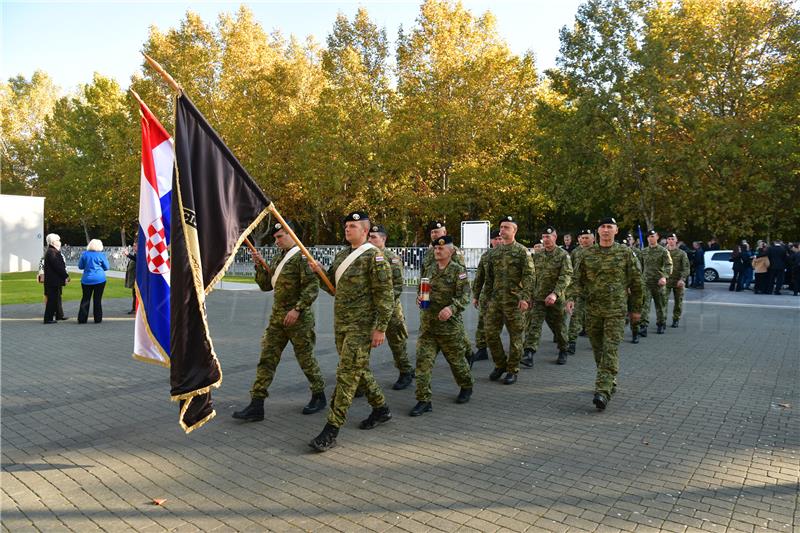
704	434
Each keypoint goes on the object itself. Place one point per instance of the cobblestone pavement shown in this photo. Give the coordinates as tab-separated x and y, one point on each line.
703	434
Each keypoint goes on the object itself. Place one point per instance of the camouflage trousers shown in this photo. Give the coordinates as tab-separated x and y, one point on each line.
677	309
480	330
605	334
354	349
397	337
652	291
577	320
508	315
553	315
275	339
452	346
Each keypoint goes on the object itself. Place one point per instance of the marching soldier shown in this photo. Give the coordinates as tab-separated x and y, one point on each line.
577	319
656	268
607	278
396	332
442	326
677	279
362	309
437	230
553	270
292	320
509	282
481	352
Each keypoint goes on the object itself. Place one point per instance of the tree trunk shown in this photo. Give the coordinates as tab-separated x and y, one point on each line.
122	236
85	230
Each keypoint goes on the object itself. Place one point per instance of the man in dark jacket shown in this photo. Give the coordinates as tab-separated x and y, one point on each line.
795	262
699	265
55	277
777	266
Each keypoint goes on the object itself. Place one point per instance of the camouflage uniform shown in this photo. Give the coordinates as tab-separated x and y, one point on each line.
509	280
656	264
578	319
477	287
680	271
449	287
363	302
396	332
297	288
609	281
428	266
553	272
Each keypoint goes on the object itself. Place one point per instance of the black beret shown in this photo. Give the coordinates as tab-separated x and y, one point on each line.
377	228
435	224
507	218
548	230
585	232
608	220
494	234
672	235
651	232
355	216
447	239
278	226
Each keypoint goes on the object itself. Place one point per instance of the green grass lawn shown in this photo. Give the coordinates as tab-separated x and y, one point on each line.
239	279
22	288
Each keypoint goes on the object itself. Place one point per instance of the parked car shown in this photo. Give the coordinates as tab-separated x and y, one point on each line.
718	266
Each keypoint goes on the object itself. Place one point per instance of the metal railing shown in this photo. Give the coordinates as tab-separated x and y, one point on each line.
243	264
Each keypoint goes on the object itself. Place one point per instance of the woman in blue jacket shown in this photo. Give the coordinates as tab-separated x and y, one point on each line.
94	263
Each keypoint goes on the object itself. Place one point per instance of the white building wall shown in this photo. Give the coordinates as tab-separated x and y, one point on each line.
21	232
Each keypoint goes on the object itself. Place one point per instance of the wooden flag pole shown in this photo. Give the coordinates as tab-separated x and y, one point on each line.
256	255
303	249
172	83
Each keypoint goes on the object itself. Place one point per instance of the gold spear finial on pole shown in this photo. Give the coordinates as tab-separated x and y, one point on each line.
164	74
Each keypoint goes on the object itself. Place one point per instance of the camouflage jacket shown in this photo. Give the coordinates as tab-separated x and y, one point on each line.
396	266
429	261
553	272
509	274
680	266
364	300
449	287
656	263
609	280
297	286
480	279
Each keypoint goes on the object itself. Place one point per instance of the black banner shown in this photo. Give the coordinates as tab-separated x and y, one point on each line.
215	205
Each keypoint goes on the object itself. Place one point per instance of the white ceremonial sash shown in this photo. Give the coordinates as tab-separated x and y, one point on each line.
355	254
291	253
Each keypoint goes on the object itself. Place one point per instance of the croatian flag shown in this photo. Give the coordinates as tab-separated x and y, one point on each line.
152	330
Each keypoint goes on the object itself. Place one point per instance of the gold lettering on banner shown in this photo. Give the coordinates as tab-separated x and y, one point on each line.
189	217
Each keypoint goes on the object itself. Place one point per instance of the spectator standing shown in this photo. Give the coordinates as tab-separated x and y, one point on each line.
713	244
55	276
747	260
94	263
569	245
761	271
777	266
699	265
795	261
130	275
738	269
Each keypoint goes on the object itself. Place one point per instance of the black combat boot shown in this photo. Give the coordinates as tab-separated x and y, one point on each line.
562	357
496	374
571	348
253	412
464	395
403	380
379	415
675	322
481	354
643	331
582	333
316	404
325	440
599	401
661	329
421	408
635	339
510	379
527	358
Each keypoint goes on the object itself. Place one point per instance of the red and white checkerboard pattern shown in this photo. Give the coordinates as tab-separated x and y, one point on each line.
157	252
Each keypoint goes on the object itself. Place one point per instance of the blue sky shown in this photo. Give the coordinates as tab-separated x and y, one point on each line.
72	40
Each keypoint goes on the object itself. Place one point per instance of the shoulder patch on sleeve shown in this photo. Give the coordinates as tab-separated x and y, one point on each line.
396	260
463	275
378	258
